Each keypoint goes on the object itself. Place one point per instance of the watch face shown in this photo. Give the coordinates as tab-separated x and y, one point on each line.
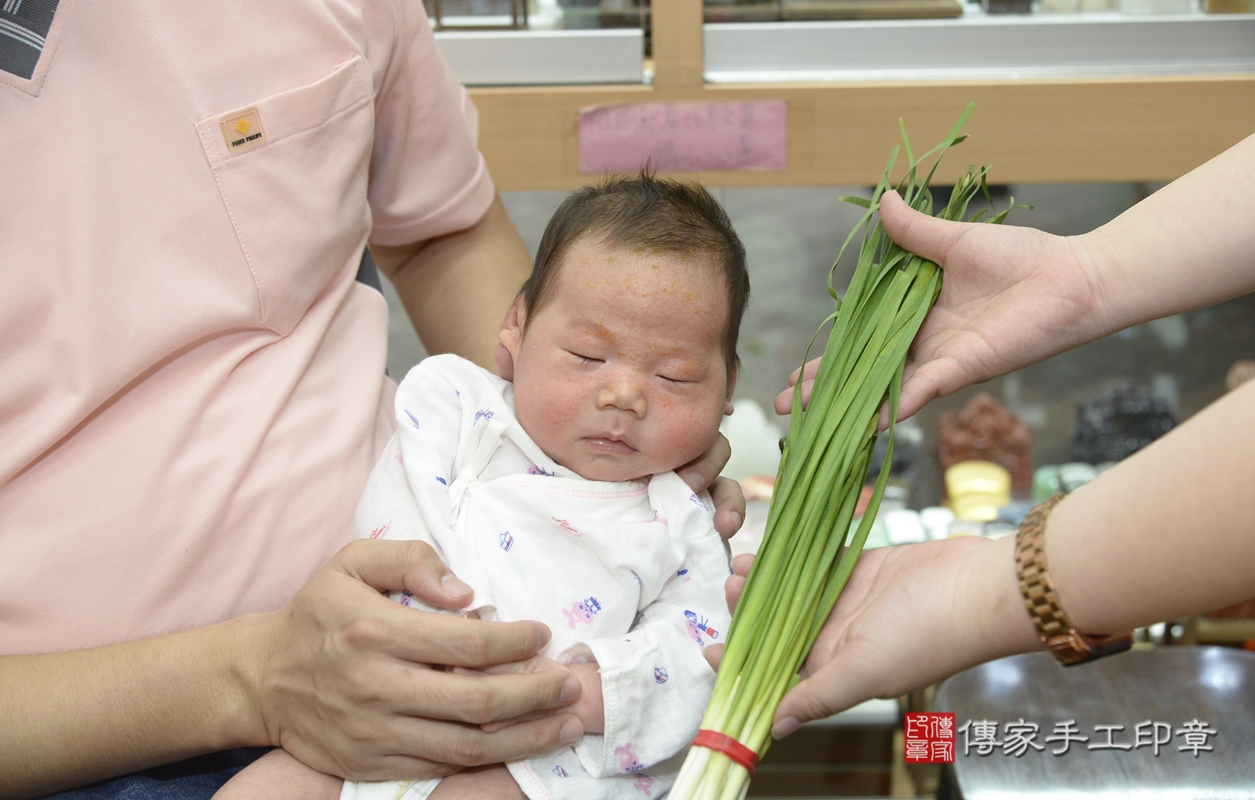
1100	646
1077	648
1069	649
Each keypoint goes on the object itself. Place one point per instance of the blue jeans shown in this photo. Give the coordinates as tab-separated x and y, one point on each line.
194	779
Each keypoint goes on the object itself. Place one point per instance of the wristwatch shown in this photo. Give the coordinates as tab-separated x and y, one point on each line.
1068	645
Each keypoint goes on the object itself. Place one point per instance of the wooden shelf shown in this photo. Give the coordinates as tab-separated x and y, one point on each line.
1031	131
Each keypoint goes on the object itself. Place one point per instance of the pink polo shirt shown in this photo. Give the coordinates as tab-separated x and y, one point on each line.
192	386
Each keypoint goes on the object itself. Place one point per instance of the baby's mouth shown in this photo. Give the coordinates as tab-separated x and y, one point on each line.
611	445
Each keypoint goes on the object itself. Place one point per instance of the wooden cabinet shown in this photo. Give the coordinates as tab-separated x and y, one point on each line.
1124	129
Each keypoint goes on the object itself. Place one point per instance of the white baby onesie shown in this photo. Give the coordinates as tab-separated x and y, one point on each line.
629	575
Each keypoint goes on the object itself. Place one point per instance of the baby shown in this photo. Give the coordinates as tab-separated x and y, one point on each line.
554	496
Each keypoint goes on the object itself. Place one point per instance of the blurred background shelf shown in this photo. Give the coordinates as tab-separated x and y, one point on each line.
979	46
1077	127
544	57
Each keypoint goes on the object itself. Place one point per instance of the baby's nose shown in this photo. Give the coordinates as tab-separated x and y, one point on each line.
625	393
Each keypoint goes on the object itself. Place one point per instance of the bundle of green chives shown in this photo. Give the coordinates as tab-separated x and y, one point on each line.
805	560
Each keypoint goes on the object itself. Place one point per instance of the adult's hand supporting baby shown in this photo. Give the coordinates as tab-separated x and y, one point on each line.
589	708
341	679
703	473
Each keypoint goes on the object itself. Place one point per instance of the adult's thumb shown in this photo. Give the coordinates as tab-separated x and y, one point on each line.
821	695
413	566
925	236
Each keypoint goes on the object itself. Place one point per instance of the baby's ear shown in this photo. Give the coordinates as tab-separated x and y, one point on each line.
727	404
509	338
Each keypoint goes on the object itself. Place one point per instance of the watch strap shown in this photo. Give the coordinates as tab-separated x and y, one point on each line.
1068	645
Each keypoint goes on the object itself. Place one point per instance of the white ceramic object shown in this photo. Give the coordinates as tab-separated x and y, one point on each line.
905	526
936	521
755	441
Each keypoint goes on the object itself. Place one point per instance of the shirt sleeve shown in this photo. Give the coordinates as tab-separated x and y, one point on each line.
655	684
427	176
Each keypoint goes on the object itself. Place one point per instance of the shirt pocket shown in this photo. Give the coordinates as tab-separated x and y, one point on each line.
292	169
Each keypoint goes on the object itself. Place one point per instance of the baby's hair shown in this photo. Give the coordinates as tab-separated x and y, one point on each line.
644	211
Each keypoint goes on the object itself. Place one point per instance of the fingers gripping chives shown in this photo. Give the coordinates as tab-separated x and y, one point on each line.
808	552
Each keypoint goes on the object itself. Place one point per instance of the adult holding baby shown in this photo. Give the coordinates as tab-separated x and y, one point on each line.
1164	534
554	494
193	395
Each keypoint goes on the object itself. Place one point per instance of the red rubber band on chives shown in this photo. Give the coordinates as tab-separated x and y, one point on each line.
723	743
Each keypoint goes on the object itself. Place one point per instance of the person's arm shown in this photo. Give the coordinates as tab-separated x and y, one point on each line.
1013	296
1164	534
458	287
337	677
1186	246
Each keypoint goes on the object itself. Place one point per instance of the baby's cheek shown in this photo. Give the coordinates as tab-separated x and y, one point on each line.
561	396
545	417
687	432
531	415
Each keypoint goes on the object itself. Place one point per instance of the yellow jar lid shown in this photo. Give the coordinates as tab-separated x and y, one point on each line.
978	506
978	489
977	476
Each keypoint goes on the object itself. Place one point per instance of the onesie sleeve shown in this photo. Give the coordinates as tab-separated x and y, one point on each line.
407	496
655	684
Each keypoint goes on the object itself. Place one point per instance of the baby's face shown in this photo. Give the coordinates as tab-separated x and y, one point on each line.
621	374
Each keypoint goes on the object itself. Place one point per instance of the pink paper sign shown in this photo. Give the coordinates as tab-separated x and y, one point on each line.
685	137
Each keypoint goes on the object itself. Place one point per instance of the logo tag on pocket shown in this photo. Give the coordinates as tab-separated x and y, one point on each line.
243	131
